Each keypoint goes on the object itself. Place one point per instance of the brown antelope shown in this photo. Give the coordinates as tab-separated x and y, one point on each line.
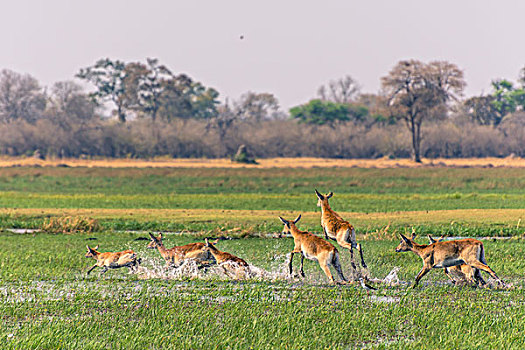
459	272
338	229
126	258
176	255
447	254
313	248
230	263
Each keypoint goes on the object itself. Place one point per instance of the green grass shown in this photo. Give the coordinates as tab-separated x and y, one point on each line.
282	190
46	301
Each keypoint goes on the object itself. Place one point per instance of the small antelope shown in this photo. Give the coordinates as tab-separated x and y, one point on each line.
338	229
461	272
447	254
314	248
126	258
176	255
230	263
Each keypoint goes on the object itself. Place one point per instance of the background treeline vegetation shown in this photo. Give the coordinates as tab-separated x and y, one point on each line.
419	112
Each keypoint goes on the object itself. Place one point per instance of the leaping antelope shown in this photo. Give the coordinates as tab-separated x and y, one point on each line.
338	229
231	264
109	260
462	272
446	254
176	255
313	248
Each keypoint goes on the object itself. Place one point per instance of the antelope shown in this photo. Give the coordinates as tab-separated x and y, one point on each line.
314	248
230	263
460	271
176	255
126	258
446	254
338	229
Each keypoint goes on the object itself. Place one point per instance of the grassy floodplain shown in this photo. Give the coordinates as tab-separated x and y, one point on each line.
47	302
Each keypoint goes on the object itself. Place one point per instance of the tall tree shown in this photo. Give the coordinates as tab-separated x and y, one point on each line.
257	106
419	92
21	97
343	90
151	85
109	78
320	112
482	110
69	101
506	98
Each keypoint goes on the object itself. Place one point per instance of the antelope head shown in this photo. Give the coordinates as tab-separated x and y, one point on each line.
323	198
287	227
91	252
155	241
405	245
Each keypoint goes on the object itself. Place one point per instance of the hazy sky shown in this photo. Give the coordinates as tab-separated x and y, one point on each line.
290	48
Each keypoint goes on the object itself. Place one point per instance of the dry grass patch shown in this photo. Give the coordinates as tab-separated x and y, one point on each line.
264	163
70	224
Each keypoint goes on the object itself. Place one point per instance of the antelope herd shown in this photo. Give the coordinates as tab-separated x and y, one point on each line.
461	259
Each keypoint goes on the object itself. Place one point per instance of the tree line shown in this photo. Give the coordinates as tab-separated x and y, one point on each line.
419	112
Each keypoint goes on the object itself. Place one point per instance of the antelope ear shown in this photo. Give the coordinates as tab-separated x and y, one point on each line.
432	240
298	218
329	195
152	237
89	249
95	247
206	242
215	242
413	236
286	222
160	236
320	196
404	238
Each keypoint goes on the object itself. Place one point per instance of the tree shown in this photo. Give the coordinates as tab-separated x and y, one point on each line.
223	121
21	97
343	90
482	110
378	110
320	112
419	91
204	101
150	86
257	106
69	101
109	78
506	98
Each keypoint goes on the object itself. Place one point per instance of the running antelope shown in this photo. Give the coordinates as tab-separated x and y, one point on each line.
231	264
313	248
447	254
176	255
126	258
338	229
459	272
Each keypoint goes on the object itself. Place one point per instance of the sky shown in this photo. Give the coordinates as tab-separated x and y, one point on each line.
289	48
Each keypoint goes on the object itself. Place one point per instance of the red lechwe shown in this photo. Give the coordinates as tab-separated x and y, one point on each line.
446	254
126	258
176	255
231	264
338	229
314	248
458	273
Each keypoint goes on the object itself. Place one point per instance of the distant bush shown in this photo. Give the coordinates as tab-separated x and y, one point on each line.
191	138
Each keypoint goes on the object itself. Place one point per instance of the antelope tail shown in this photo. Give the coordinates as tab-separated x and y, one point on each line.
482	255
352	238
